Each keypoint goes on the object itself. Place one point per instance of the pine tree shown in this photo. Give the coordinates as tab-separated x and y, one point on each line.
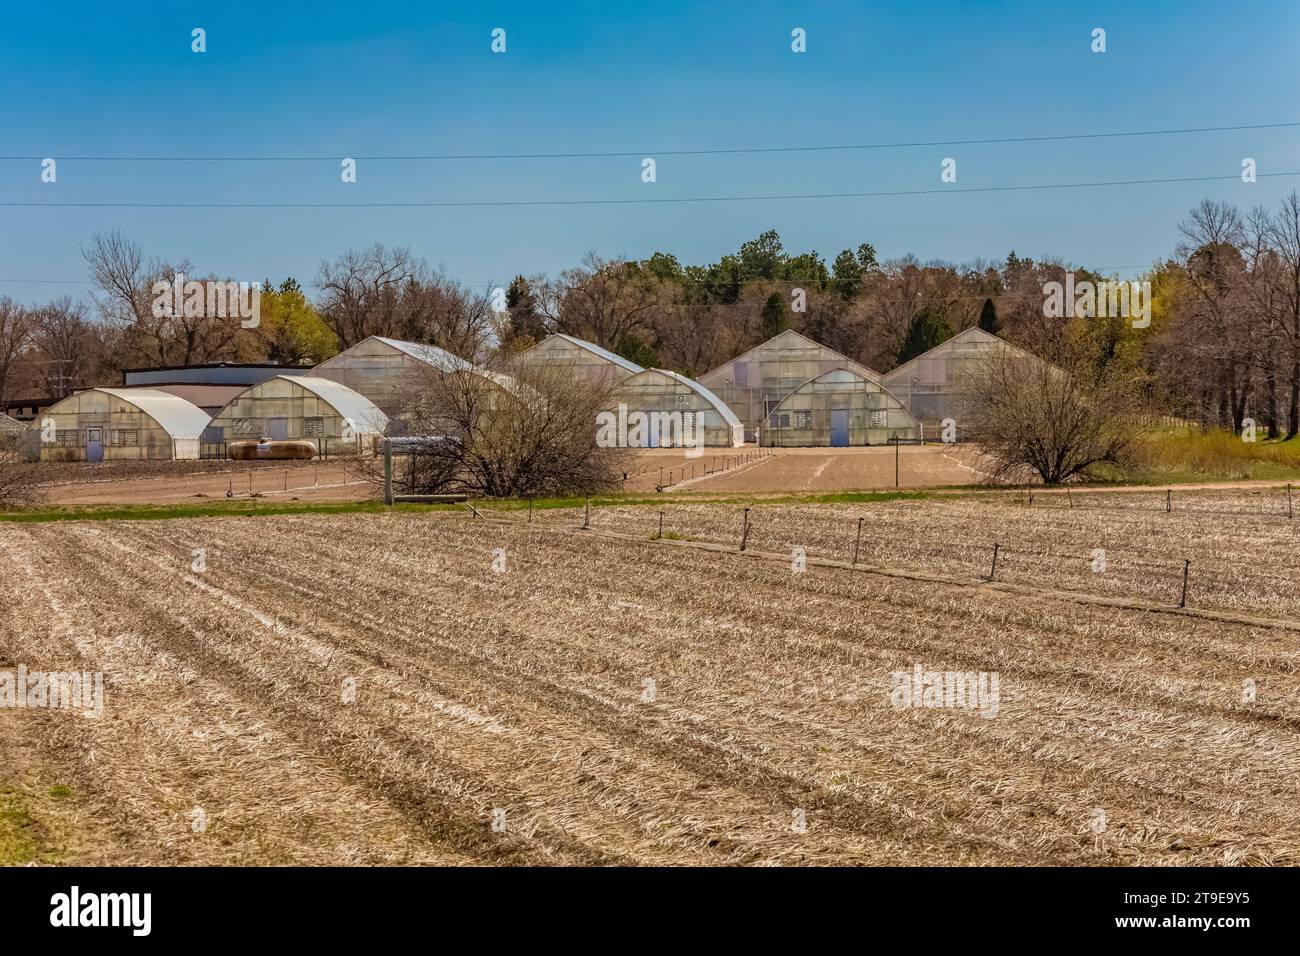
928	328
989	318
636	349
774	319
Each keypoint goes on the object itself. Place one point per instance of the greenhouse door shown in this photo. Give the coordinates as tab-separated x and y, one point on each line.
277	429
94	444
839	427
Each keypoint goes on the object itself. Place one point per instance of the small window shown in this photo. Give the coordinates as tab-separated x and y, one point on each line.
878	418
68	437
802	419
313	426
783	420
126	436
241	426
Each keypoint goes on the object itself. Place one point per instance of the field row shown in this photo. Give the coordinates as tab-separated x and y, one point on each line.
609	701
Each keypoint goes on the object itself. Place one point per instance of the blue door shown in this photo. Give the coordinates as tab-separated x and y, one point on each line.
94	444
839	427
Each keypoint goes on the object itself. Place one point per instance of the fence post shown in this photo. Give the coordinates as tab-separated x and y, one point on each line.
388	473
744	531
994	571
1068	498
586	515
1169	500
1288	500
530	510
660	536
1186	564
857	542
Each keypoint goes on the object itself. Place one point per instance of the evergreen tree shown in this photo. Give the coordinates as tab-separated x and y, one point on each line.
636	349
521	306
928	328
774	320
989	318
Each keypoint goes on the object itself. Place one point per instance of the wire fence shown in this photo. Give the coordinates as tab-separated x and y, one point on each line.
1279	503
1188	571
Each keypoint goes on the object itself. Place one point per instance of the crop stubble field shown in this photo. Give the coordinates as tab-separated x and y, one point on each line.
525	691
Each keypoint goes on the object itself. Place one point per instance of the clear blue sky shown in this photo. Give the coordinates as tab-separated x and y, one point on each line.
346	79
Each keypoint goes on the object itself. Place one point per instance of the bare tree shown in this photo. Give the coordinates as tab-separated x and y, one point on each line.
1285	236
1032	418
66	344
1213	269
125	279
15	336
512	432
602	300
391	292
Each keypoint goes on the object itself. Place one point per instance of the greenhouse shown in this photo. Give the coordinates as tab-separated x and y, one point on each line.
383	369
837	409
753	384
935	385
118	424
333	417
589	361
673	408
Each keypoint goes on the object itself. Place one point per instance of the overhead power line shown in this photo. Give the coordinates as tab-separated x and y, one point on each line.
705	151
479	203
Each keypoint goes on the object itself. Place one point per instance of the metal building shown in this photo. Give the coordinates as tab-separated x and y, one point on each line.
383	369
242	374
333	417
935	385
117	424
587	359
838	408
753	384
657	390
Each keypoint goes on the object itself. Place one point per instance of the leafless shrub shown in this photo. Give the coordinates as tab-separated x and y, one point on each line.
510	432
19	480
1032	418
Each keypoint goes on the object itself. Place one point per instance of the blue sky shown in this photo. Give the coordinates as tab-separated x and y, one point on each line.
357	79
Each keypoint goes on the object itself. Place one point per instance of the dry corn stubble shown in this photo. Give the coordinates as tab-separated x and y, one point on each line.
523	690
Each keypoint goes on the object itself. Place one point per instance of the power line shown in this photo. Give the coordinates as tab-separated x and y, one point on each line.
447	204
705	151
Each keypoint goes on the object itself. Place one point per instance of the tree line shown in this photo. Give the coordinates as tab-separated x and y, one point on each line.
1223	344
